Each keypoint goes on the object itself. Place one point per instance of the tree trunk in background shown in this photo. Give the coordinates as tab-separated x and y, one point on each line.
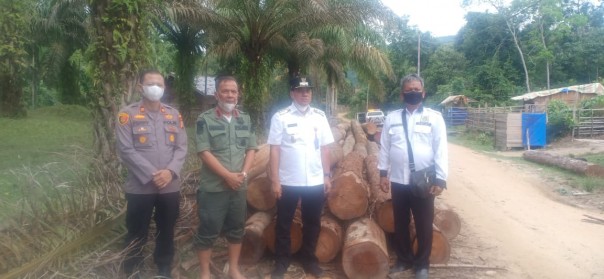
118	49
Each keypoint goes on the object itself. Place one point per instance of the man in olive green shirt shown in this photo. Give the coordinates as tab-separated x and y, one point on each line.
226	145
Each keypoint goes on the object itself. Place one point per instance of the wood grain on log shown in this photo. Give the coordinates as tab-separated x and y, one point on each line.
295	233
441	249
349	196
253	245
384	216
448	222
260	194
348	144
365	254
330	240
260	163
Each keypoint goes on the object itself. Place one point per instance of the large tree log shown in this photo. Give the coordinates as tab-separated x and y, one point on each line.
349	196
447	220
338	134
353	162
441	249
336	153
259	166
373	174
295	233
253	244
567	163
357	131
330	240
370	129
344	126
384	215
360	148
348	144
365	254
260	194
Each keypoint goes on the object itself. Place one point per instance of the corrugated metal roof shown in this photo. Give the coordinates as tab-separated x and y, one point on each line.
591	88
457	100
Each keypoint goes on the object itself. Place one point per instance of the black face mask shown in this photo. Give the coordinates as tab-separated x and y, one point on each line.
413	97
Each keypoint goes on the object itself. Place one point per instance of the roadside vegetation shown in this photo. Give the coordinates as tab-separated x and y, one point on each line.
484	142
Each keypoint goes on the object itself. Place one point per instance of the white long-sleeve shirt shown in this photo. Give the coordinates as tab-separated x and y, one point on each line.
428	137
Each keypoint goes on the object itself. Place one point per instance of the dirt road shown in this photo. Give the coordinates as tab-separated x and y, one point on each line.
511	220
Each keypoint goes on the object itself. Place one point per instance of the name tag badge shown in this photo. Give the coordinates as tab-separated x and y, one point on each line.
422	129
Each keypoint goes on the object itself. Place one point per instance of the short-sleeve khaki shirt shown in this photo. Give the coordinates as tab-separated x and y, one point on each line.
227	141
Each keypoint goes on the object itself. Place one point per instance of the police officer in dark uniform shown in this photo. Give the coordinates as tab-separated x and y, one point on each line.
152	144
226	145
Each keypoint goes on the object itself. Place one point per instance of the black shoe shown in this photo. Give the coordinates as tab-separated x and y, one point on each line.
164	272
314	269
278	273
421	273
399	267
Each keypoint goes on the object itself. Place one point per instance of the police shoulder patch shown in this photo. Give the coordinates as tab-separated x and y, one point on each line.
123	118
318	111
284	111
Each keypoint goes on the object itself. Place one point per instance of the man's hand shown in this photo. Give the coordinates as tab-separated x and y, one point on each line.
327	184
385	184
276	186
162	178
234	180
436	190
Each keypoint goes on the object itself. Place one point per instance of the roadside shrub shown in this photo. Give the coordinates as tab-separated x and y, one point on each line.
559	120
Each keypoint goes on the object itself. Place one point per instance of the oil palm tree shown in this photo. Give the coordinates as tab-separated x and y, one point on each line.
260	34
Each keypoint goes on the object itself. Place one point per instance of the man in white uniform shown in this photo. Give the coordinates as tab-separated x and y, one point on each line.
427	137
300	170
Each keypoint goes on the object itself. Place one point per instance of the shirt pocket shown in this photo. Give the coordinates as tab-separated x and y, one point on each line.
242	138
171	134
218	139
142	136
397	133
292	134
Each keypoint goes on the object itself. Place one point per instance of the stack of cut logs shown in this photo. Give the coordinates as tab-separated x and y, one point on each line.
357	216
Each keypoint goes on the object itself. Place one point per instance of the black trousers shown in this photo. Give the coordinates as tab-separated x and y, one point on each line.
405	204
138	217
312	199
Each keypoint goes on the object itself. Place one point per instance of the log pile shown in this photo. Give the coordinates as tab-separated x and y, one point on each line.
357	216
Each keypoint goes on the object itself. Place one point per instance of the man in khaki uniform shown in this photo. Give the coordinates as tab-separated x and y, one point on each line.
226	144
152	143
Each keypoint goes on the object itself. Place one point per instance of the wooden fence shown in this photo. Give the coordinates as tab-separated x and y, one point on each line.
590	123
483	119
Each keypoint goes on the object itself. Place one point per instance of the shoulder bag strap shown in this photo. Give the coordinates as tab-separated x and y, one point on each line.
409	150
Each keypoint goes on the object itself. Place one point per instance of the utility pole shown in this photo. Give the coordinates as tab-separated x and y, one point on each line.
419	48
367	106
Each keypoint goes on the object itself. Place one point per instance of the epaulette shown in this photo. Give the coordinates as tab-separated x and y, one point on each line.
433	111
242	112
284	111
318	111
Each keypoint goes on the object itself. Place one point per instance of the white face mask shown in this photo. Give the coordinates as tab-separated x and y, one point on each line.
301	108
227	107
153	93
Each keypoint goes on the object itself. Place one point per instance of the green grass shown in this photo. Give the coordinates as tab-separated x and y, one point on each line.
42	140
479	141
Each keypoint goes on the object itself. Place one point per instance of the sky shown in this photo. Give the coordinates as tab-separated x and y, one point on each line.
439	17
